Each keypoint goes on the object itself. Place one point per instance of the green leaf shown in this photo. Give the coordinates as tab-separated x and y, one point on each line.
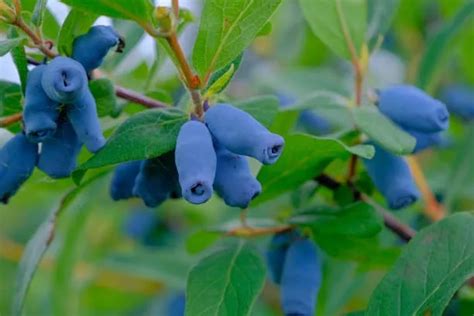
434	265
357	220
226	29
10	98
139	11
77	23
132	33
382	131
38	12
219	85
330	18
7	45
381	13
303	158
104	94
266	29
37	246
19	58
227	282
431	61
201	240
145	135
263	108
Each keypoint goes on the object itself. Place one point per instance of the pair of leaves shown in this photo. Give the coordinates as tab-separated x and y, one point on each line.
227	282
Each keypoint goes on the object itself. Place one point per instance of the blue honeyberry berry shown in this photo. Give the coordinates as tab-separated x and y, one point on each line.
392	177
313	123
195	161
83	116
425	140
58	157
18	159
276	253
176	305
234	181
91	48
413	109
156	180
65	81
460	100
140	225
123	180
301	278
240	133
40	113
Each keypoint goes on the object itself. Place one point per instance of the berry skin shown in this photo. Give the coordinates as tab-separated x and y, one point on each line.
91	48
176	305
276	253
195	161
140	225
156	180
123	180
301	279
392	177
313	123
413	109
40	113
58	157
17	161
459	100
234	182
65	81
240	133
425	140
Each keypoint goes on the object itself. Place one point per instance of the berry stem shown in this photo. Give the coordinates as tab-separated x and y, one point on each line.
247	231
434	210
391	222
12	119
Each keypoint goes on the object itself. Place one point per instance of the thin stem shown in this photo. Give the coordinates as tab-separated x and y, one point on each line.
175	7
133	96
401	230
434	210
34	37
17	4
192	80
12	119
246	231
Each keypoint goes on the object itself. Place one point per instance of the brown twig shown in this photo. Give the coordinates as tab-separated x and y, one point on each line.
247	231
135	97
391	222
12	119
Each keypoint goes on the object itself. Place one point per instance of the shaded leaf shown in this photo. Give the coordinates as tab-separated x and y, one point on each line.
225	282
226	29
103	91
263	108
381	13
7	45
383	131
38	12
304	157
434	265
145	135
19	58
327	19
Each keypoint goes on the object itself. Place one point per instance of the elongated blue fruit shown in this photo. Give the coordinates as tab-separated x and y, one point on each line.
234	181
460	100
176	305
426	140
58	157
276	253
156	180
140	225
91	48
313	123
301	279
40	113
17	161
195	161
392	177
65	81
240	133
123	180
413	109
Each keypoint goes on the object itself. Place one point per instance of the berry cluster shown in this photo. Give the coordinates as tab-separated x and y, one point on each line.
209	155
419	115
460	100
60	113
295	265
